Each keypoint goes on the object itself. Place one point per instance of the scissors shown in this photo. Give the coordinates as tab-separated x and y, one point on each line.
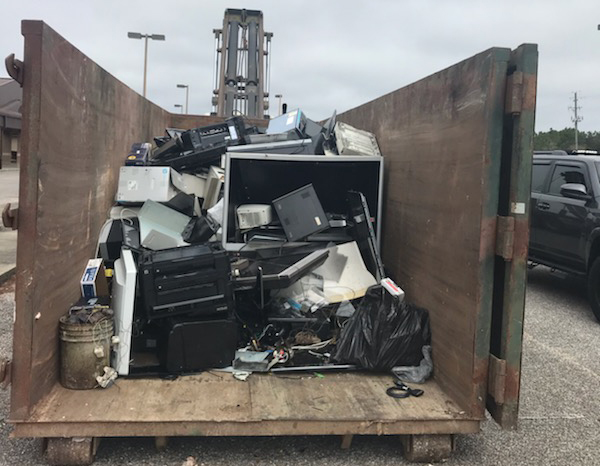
401	390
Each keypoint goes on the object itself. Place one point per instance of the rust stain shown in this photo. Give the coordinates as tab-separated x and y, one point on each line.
529	92
513	384
487	245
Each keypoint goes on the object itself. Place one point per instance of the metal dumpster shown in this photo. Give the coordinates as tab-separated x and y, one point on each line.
457	148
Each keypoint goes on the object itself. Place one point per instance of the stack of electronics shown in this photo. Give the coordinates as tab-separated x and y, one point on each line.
171	299
234	246
293	133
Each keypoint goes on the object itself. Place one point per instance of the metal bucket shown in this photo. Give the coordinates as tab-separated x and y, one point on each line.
84	351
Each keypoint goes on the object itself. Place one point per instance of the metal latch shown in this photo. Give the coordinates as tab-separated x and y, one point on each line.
5	370
10	216
505	237
514	93
497	379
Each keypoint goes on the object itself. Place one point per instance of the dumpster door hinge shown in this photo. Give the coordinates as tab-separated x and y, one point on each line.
505	237
10	216
14	68
514	93
5	372
497	379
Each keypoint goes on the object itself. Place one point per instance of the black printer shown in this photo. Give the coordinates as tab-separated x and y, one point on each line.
193	280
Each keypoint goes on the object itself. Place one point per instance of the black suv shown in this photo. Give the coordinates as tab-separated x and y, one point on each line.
565	216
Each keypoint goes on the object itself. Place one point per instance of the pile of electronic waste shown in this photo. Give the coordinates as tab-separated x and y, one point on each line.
234	248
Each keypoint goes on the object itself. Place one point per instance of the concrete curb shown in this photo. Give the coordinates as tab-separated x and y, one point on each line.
6	275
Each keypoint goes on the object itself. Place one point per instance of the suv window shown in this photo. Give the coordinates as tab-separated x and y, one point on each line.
566	174
538	176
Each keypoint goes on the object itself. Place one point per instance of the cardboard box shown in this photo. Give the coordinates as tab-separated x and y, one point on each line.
93	280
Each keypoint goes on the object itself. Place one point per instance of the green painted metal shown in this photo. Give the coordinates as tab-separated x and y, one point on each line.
489	208
517	152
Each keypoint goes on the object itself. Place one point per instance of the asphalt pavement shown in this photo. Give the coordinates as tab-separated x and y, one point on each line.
559	417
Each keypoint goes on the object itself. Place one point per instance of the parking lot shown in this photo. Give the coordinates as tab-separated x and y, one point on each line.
559	417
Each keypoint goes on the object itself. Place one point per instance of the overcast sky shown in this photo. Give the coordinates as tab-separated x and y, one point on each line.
331	54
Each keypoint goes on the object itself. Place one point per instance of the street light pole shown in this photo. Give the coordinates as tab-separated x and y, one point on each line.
137	35
180	107
187	94
145	62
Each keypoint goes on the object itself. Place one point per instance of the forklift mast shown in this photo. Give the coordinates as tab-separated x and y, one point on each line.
242	65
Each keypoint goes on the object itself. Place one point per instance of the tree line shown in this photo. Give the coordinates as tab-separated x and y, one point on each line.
565	139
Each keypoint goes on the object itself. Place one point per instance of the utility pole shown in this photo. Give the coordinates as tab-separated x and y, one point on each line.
576	118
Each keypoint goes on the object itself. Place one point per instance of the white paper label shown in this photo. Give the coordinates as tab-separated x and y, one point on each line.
391	287
318	221
517	207
233	133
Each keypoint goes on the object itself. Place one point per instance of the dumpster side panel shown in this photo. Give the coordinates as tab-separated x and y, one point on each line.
22	329
441	140
79	122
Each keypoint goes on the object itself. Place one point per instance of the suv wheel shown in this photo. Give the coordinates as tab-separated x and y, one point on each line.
593	286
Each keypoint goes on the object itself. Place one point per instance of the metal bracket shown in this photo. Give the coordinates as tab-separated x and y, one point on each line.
514	93
10	217
497	379
505	237
5	373
14	68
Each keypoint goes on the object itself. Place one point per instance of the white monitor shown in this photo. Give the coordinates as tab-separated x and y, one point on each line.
214	182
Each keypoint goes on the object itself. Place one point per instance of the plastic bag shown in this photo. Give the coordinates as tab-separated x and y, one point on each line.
416	374
383	333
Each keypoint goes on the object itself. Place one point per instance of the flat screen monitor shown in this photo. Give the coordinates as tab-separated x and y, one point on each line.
262	178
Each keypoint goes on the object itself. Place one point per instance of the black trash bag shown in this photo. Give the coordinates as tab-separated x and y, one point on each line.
383	333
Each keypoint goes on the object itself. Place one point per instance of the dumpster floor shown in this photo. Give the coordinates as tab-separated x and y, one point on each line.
214	403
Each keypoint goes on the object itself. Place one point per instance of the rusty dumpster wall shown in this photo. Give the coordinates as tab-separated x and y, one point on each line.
441	138
78	123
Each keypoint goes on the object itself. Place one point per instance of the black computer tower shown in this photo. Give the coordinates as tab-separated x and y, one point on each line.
196	345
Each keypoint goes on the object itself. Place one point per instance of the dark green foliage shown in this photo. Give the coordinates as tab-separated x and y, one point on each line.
565	140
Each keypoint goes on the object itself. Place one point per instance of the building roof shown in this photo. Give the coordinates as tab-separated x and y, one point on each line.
11	96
